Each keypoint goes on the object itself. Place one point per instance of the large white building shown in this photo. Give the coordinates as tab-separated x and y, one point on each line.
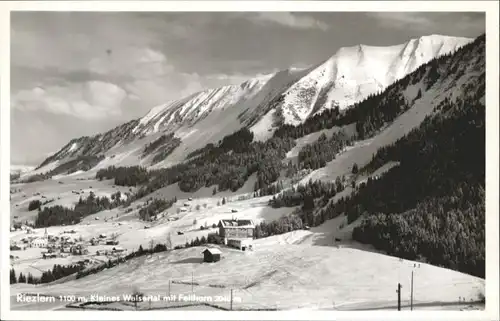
237	233
39	242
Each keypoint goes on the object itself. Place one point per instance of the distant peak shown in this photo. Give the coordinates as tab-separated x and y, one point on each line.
364	48
438	37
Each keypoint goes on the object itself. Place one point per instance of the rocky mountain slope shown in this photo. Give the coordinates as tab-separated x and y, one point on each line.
261	104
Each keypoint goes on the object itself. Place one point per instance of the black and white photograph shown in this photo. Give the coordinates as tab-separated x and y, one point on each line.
249	161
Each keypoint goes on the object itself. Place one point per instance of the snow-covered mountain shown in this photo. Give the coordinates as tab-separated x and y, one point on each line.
353	73
289	96
19	169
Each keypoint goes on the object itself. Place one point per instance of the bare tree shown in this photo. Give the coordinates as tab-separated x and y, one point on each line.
168	242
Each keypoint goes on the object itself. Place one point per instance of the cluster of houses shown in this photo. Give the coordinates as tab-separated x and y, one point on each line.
64	245
56	245
103	239
116	250
21	227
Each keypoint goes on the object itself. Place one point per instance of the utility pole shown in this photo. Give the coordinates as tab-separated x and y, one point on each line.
169	288
411	292
231	299
399	296
192	281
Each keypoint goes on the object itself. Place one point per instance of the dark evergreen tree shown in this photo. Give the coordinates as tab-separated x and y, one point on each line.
58	215
34	205
13	278
155	207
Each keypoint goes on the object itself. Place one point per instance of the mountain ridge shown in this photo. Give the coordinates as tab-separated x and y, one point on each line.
289	96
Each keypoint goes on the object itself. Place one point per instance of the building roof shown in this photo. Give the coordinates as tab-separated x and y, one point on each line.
237	223
212	251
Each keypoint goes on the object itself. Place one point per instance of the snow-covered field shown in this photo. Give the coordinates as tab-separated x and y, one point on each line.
299	269
60	190
321	268
130	230
281	276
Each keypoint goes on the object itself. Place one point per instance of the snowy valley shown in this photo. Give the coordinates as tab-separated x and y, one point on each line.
333	165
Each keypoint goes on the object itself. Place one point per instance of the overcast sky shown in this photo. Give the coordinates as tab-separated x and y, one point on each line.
75	74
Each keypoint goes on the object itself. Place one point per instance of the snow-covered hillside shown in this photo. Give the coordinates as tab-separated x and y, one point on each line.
423	101
289	96
276	276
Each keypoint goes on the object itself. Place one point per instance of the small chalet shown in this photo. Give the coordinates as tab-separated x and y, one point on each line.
118	250
211	255
79	249
15	247
47	255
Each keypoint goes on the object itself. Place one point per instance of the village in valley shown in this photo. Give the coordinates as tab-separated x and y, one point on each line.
64	244
97	240
196	237
232	232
